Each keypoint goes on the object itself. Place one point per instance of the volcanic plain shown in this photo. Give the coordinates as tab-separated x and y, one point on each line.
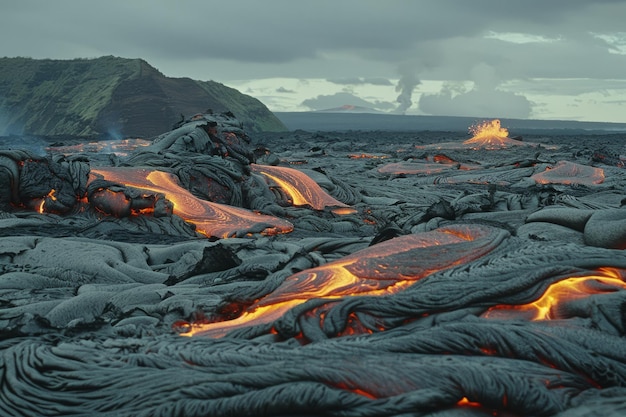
359	273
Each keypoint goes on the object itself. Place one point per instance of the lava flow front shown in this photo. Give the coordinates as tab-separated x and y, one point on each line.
382	269
301	189
210	219
553	302
569	173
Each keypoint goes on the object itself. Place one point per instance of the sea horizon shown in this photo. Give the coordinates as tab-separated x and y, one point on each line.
343	121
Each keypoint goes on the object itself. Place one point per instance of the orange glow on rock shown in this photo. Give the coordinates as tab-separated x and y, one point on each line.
210	219
443	159
568	173
364	155
50	196
117	202
379	270
569	289
465	402
300	188
353	388
343	210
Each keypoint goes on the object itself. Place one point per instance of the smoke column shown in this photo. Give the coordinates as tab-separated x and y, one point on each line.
406	84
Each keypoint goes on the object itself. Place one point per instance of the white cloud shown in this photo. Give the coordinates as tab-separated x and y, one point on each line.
616	42
520	38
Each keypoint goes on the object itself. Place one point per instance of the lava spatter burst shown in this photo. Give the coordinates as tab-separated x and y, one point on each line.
490	135
488	128
486	135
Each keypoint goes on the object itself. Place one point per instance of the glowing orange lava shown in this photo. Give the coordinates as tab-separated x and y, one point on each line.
548	306
465	402
488	129
300	188
382	269
51	196
568	173
211	219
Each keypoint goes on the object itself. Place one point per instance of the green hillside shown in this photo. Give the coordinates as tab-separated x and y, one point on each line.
109	95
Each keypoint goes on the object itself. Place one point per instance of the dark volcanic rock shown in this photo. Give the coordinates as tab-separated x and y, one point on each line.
470	290
112	96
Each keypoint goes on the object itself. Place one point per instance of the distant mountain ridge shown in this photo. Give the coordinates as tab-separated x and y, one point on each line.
112	96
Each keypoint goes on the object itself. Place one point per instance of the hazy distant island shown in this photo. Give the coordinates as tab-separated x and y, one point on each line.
111	96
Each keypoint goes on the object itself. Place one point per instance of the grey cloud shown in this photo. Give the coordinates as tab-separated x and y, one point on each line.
567	87
484	100
567	58
324	102
360	81
284	90
346	80
278	31
349	42
384	105
476	103
377	81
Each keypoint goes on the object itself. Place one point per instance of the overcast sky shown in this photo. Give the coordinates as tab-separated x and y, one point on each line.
546	59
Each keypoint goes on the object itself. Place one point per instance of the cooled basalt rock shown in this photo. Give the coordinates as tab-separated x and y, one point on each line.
607	228
462	293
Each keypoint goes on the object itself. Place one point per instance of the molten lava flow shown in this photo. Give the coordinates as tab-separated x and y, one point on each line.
381	269
568	173
569	289
211	219
300	188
